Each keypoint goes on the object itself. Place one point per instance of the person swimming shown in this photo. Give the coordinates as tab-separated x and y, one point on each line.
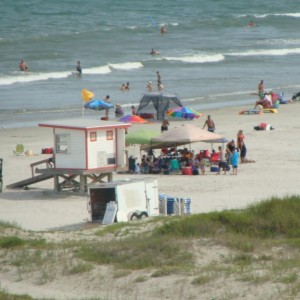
154	52
163	29
251	24
23	66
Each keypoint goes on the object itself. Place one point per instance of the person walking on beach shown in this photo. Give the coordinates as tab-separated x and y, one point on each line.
261	90
78	67
210	124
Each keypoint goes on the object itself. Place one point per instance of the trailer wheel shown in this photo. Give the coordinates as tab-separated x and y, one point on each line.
134	216
143	215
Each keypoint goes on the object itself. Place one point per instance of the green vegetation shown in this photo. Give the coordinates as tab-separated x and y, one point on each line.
136	252
269	219
259	244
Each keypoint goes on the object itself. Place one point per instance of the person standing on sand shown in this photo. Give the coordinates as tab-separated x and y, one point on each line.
107	99
261	90
235	161
210	124
241	145
164	125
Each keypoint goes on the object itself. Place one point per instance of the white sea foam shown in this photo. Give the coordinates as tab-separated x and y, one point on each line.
30	77
280	42
97	70
131	27
127	66
198	58
295	15
267	52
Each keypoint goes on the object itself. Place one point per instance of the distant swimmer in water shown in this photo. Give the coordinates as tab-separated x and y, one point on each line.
150	86
251	24
163	29
154	52
23	66
78	67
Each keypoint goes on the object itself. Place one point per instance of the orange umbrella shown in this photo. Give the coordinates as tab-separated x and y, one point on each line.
132	119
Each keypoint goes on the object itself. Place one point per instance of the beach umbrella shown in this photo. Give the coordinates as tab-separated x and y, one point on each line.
182	135
132	119
98	105
183	112
141	136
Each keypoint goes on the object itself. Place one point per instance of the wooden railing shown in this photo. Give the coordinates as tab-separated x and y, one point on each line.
44	161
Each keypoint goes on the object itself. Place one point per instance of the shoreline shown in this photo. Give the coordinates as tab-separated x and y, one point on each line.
272	174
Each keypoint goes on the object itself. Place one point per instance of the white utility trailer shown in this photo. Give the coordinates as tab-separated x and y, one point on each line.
123	200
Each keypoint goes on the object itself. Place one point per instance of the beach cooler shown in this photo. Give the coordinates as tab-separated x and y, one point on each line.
214	169
187	171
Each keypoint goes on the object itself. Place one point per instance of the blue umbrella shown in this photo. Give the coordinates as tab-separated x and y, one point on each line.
183	112
98	105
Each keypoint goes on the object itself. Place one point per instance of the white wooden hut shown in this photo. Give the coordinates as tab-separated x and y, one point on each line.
88	148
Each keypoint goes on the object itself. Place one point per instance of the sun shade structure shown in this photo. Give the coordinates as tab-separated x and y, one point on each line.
182	135
183	112
132	119
158	103
141	136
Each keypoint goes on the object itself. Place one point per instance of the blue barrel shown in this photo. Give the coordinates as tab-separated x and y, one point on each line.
170	205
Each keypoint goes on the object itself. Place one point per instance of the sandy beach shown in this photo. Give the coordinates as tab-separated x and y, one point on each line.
274	173
276	155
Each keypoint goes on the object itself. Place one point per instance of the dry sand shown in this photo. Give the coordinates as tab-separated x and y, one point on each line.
274	173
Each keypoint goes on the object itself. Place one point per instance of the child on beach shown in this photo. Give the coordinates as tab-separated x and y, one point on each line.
235	161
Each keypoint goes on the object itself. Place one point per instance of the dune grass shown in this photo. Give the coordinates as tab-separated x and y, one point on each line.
263	241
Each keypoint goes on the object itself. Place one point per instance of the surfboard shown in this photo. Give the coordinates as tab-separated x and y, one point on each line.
251	112
270	110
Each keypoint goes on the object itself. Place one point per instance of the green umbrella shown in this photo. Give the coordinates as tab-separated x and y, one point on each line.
141	136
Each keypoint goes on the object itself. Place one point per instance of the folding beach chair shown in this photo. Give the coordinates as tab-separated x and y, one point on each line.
19	149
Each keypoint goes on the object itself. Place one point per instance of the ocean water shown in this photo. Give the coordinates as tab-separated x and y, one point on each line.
209	57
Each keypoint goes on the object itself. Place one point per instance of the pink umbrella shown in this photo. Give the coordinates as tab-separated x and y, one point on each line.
132	119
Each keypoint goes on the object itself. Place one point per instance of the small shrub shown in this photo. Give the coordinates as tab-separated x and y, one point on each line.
80	268
141	278
11	242
202	279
